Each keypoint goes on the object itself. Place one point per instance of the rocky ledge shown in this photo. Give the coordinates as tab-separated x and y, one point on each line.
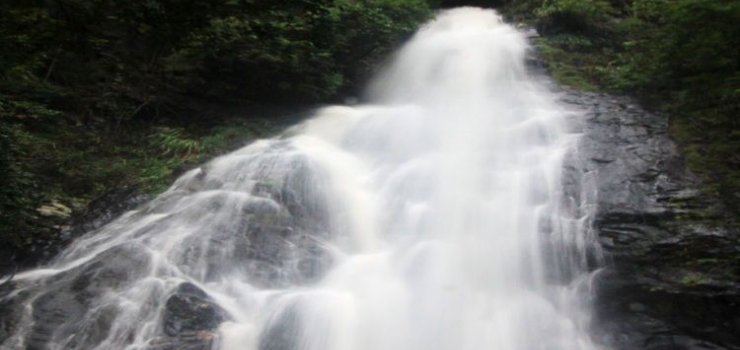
672	275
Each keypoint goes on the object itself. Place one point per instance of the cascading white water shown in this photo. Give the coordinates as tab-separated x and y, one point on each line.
433	219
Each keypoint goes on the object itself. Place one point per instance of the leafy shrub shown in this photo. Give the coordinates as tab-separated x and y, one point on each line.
122	60
307	53
573	15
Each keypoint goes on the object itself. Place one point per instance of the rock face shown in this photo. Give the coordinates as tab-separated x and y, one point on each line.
671	279
190	310
39	313
61	225
190	320
261	212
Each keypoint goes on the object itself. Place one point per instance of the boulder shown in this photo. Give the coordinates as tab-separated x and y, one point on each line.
189	320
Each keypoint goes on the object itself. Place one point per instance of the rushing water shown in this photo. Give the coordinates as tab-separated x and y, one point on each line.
435	218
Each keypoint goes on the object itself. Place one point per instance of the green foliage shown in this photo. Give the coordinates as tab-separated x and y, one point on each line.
172	141
573	15
678	56
45	158
564	65
682	55
683	46
121	60
577	37
24	33
692	280
21	191
305	53
563	16
16	180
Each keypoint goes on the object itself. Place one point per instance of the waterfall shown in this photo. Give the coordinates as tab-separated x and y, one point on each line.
439	216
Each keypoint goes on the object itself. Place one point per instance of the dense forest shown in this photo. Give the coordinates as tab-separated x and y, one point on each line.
99	96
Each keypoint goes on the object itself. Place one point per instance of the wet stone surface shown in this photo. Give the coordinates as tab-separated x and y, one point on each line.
672	277
190	310
190	320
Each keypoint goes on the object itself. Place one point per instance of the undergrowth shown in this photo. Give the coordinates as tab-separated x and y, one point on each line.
46	158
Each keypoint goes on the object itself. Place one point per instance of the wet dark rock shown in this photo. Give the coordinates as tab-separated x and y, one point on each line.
279	240
106	208
52	311
61	314
672	279
189	321
55	233
203	340
190	310
11	311
270	229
